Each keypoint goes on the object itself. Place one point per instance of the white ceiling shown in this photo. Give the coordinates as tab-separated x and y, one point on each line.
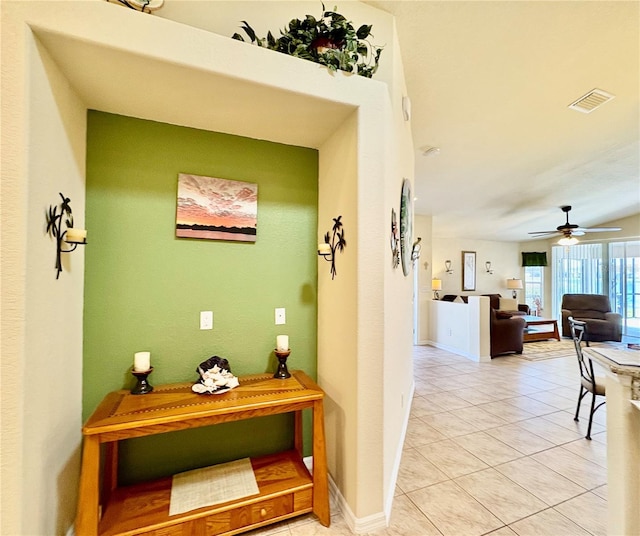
490	83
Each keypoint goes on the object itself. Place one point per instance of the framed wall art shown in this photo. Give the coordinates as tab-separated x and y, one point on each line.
216	209
468	270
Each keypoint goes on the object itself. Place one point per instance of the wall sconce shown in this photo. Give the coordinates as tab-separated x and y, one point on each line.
146	6
447	265
415	250
514	285
488	267
328	249
436	285
70	235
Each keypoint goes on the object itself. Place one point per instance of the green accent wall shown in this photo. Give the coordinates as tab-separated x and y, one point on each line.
145	288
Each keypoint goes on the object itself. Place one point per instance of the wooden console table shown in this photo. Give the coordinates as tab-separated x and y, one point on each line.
286	489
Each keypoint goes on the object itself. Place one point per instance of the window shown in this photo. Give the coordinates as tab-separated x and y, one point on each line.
534	288
611	268
576	270
624	284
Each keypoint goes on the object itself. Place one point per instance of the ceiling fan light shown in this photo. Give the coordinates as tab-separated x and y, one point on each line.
568	241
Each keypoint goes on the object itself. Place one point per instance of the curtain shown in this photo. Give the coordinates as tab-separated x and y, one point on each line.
576	270
534	258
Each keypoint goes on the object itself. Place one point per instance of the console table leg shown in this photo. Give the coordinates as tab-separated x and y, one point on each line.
297	434
110	475
88	494
320	481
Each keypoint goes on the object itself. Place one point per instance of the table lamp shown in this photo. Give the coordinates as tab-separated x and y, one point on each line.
436	285
514	285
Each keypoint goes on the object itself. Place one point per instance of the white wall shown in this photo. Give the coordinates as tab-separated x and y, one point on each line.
424	268
504	257
461	328
43	136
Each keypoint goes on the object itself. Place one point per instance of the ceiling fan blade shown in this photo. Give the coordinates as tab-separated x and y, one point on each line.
601	229
543	232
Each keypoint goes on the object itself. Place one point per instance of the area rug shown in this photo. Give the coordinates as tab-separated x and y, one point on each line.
539	350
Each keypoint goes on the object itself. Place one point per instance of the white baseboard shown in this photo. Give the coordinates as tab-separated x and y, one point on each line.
357	525
396	464
379	520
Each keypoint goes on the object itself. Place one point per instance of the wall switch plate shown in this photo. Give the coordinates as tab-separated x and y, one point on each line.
206	319
280	316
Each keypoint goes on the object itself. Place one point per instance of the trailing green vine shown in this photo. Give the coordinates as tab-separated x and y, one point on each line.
330	40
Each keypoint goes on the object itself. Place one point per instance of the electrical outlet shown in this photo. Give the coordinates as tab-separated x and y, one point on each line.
280	316
206	319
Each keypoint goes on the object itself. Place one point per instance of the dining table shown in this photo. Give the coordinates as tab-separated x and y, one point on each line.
621	365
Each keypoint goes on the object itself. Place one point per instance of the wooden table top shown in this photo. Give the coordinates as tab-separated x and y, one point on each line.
173	403
533	320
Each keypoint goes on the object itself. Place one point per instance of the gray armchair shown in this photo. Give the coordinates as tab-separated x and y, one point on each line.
595	310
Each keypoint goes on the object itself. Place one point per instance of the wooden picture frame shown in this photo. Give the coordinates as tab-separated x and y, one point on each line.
468	270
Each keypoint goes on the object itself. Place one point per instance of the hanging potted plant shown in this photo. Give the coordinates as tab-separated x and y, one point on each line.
330	40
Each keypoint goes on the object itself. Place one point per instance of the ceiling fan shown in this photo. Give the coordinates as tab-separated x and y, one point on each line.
570	230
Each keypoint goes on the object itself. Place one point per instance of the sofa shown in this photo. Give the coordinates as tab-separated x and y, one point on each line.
595	310
506	333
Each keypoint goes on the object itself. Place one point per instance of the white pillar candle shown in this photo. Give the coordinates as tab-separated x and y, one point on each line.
141	361
324	249
282	343
74	235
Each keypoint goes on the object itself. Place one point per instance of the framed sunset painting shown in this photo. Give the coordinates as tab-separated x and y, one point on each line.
216	209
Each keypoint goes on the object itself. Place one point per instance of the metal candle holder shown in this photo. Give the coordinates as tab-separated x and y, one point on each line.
282	373
334	245
54	229
143	387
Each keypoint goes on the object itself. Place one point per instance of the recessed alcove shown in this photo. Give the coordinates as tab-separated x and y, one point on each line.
95	55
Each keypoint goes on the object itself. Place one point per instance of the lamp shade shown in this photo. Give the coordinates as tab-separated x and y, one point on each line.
436	284
514	284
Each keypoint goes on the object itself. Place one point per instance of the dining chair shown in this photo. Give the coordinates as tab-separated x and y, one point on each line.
589	383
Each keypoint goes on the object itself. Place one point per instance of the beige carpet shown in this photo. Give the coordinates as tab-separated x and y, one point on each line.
539	350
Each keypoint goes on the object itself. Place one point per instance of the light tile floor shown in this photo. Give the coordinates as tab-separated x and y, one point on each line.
492	448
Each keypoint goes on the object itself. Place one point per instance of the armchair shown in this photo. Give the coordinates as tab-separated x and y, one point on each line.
595	311
506	333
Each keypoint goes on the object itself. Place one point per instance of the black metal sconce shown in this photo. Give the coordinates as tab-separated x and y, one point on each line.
415	250
146	6
447	265
328	249
487	265
70	235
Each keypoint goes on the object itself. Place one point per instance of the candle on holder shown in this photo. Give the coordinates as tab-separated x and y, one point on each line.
142	361
282	343
74	235
324	249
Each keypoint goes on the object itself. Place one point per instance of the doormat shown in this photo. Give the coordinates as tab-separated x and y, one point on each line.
212	485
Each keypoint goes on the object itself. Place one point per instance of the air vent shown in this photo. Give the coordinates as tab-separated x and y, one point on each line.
592	100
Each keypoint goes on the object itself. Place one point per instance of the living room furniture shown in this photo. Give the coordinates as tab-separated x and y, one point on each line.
622	379
506	333
589	383
286	489
595	310
507	305
532	331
